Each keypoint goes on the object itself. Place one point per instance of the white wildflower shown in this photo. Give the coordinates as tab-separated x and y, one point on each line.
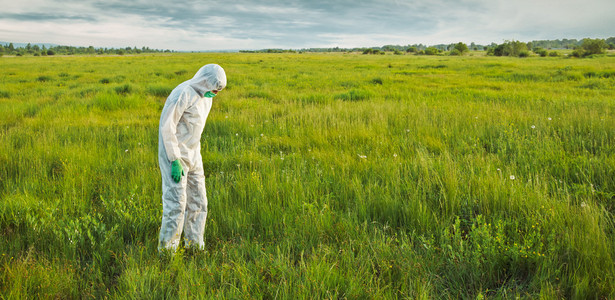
362	156
592	186
533	126
512	177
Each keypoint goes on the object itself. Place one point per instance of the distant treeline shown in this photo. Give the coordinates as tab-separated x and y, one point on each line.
455	48
36	50
418	48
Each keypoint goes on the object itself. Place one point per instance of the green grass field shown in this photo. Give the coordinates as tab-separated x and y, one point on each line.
328	176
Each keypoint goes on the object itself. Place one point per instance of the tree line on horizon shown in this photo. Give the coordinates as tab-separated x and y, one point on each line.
36	50
582	48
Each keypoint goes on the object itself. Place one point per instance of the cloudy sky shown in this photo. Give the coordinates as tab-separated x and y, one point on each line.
191	25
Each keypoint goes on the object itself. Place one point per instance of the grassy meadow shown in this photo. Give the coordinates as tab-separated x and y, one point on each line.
328	176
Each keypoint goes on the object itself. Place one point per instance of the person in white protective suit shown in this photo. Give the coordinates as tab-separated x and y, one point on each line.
184	200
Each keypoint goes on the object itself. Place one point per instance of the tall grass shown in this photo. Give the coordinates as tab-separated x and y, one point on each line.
328	175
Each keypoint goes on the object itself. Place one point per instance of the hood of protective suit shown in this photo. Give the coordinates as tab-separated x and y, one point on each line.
210	77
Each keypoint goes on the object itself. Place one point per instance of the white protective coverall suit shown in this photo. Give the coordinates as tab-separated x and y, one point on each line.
184	203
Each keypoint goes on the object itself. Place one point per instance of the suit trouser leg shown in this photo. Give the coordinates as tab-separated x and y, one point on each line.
196	207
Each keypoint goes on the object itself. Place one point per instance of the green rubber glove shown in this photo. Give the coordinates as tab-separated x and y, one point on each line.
177	171
210	94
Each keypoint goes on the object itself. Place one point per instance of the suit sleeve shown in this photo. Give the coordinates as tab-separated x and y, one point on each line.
168	126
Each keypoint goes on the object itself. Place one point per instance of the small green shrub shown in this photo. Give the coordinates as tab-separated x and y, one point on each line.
123	89
455	52
431	51
354	95
43	78
372	51
377	80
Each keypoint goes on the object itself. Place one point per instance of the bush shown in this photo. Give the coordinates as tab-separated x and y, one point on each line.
553	53
461	48
123	89
411	50
431	51
50	52
540	51
377	80
593	46
578	53
455	52
43	78
590	47
514	48
372	51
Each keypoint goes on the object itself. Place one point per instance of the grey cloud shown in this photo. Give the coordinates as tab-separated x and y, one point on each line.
45	17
